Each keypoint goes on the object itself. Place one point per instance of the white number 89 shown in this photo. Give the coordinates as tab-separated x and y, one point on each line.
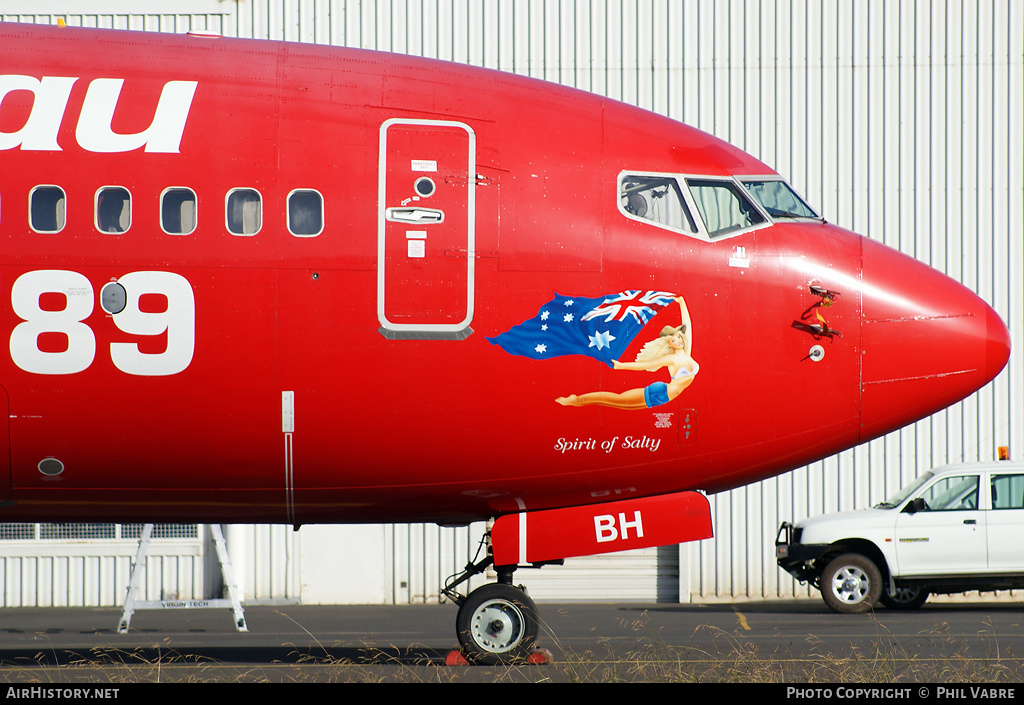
178	320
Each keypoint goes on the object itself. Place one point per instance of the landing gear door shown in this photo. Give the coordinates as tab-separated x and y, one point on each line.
425	236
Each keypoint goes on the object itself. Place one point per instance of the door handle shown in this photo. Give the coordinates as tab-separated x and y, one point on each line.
418	216
970	521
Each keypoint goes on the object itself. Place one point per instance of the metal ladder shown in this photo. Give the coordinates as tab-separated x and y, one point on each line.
132	602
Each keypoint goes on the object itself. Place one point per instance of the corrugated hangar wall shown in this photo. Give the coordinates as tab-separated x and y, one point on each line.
901	120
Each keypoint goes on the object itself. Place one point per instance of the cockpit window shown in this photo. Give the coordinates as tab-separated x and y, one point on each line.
655	198
778	199
723	206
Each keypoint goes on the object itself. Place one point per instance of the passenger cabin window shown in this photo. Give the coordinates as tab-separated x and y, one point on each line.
113	209
244	211
305	213
47	209
779	199
655	198
723	206
178	211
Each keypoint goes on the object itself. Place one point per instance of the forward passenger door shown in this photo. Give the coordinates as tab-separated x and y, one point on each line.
426	237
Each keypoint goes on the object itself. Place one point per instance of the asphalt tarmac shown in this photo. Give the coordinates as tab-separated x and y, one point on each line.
769	641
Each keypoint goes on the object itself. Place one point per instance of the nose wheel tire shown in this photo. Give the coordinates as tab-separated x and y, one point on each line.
851	583
497	624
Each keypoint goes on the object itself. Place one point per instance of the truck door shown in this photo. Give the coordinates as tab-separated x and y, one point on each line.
948	535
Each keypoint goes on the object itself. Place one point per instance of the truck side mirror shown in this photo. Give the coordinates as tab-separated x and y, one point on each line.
915	506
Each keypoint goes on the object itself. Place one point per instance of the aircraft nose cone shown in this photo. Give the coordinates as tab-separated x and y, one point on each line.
927	341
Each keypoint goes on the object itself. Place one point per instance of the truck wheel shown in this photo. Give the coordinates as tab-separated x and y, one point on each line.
851	583
904	598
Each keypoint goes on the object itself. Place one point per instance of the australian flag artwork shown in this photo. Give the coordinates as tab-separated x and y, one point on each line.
601	327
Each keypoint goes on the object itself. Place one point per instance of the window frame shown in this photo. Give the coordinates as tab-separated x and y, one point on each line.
60	225
949	479
682	181
994	476
699	232
227	211
96	209
195	215
799	196
766	221
288	212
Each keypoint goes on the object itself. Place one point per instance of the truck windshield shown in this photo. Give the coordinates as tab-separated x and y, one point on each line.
901	496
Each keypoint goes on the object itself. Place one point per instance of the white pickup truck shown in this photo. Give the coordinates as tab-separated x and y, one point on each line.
955	528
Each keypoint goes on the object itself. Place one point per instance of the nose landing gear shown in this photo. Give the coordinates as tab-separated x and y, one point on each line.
497	623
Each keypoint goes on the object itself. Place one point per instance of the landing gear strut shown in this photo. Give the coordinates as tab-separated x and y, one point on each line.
496	623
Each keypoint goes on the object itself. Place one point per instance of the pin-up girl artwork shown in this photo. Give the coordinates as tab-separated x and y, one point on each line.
671	350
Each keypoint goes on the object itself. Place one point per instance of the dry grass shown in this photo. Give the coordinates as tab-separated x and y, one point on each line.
715	656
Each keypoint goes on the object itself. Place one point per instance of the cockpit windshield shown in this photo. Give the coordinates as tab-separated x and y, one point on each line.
723	206
709	207
778	199
656	198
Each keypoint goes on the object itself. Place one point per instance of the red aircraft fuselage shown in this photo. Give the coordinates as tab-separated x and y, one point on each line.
246	281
